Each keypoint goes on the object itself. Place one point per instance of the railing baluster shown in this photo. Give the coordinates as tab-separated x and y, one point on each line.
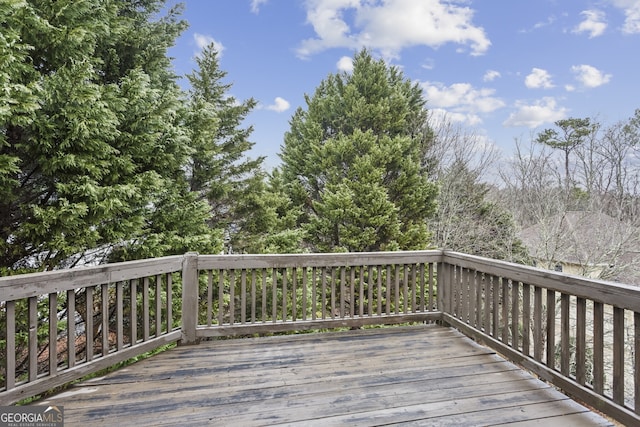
105	318
323	279
405	288
53	333
388	293
352	290
581	340
158	287
370	288
379	288
486	285
232	296
333	292
119	322
264	294
565	336
243	296
598	347
253	295
145	310
505	309
538	336
551	329
396	284
10	373
431	306
343	294
478	299
314	295
170	303
294	306
88	327
133	311
71	328
618	355
209	297
361	291
526	319
274	295
495	290
304	293
33	338
515	314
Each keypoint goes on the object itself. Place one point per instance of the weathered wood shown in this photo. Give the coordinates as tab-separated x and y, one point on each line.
615	294
48	383
543	371
327	260
303	380
36	284
328	323
189	298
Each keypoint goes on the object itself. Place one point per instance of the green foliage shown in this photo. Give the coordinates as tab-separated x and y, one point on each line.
93	148
353	162
219	169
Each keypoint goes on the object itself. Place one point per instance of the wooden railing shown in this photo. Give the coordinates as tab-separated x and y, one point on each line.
59	326
581	335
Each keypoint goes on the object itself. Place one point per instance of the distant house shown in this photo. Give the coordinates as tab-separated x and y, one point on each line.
590	244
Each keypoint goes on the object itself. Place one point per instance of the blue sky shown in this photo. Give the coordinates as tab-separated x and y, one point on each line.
506	69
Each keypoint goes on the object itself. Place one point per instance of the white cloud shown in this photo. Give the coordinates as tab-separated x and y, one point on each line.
631	9
345	64
594	23
590	76
538	78
203	40
542	111
491	75
391	26
255	5
279	105
461	101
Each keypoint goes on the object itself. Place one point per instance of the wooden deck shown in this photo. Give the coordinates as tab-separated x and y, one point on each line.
424	375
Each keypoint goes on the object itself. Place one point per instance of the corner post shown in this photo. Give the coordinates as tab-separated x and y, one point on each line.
189	298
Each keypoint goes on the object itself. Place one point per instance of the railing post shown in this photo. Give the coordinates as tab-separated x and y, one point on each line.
189	298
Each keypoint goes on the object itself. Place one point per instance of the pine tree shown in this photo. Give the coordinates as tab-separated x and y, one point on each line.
220	169
354	161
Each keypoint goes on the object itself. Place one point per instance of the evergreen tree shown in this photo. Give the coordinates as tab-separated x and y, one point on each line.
220	170
353	162
91	164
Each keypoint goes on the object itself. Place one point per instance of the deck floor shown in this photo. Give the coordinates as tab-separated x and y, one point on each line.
423	376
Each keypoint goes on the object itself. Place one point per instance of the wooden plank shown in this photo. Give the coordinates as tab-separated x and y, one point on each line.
53	333
10	337
526	318
33	338
89	325
598	347
71	328
618	355
303	380
36	284
538	337
326	260
565	335
581	340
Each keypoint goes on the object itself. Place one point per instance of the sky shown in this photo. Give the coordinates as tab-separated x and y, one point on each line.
504	69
